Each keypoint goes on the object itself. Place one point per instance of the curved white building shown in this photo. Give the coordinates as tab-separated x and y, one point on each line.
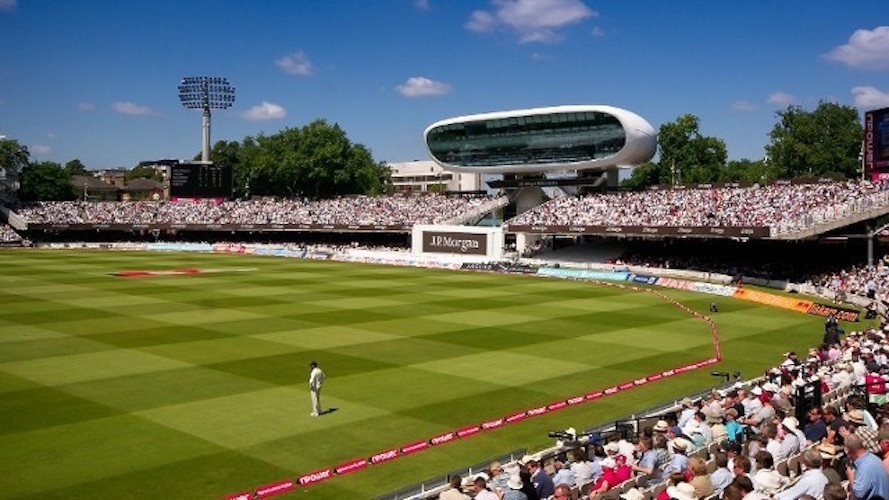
581	137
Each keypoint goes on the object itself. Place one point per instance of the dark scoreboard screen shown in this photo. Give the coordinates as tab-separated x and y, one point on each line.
199	180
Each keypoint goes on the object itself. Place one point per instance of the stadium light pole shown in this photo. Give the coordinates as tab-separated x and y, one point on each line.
206	93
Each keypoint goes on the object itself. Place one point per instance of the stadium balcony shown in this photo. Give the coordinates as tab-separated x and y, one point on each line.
783	211
398	213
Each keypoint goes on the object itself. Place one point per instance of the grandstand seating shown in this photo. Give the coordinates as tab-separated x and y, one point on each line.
782	207
789	467
361	210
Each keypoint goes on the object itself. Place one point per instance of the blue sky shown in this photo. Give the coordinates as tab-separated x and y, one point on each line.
97	80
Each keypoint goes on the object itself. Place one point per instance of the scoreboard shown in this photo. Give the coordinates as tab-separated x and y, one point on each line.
200	180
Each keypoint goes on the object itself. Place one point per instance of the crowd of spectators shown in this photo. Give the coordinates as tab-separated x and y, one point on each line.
359	210
871	281
740	443
784	207
8	235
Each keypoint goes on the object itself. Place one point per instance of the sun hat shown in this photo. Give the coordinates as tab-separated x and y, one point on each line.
790	423
661	426
514	482
682	491
854	416
633	494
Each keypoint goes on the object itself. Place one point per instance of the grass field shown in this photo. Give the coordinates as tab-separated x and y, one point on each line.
194	386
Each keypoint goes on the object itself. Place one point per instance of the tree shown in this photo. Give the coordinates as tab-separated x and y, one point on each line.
315	161
143	172
13	158
45	180
685	155
823	142
75	167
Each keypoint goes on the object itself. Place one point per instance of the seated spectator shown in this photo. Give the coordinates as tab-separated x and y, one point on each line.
815	430
454	491
866	475
699	478
855	424
767	480
811	482
480	490
722	476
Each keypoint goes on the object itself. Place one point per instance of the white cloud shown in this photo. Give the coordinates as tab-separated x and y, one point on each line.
868	49
867	98
744	106
295	64
86	107
50	135
265	111
532	20
537	56
418	86
781	99
8	4
133	109
39	149
421	4
597	32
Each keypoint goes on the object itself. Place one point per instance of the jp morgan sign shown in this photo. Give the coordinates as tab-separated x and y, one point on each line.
459	243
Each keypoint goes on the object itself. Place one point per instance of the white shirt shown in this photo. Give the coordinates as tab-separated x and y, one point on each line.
316	378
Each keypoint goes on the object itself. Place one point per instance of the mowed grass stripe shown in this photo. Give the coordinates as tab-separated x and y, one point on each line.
219	360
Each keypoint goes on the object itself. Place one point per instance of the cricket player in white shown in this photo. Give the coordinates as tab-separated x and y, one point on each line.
316	379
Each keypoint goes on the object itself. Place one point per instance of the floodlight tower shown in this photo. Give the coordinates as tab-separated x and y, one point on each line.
206	93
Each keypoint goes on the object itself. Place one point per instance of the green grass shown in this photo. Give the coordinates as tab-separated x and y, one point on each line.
195	386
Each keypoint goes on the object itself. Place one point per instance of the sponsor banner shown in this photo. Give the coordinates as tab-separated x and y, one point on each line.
842	313
273	489
724	290
533	412
443	438
244	495
351	466
675	283
499	267
414	447
384	456
556	406
458	243
515	417
643	278
590	396
493	424
583	274
468	431
315	477
771	299
576	401
876	142
612	390
713	231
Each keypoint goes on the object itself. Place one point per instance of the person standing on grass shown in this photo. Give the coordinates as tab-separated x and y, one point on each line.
316	380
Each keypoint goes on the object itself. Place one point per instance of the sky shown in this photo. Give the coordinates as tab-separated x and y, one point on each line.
97	80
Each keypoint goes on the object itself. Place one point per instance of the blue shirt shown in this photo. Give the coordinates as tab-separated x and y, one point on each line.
545	486
678	463
871	479
815	431
733	429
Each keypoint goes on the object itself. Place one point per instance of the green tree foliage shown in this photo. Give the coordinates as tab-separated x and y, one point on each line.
75	167
143	172
45	180
315	161
13	158
823	142
685	155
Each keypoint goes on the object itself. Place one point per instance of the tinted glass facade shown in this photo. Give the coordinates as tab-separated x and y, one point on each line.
528	140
